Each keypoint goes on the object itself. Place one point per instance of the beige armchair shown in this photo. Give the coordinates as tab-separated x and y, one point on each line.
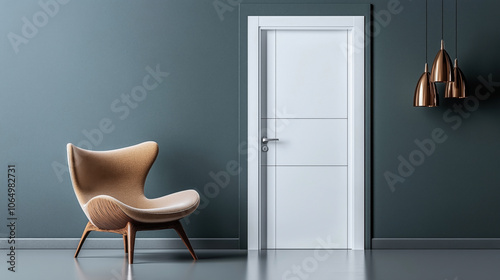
109	186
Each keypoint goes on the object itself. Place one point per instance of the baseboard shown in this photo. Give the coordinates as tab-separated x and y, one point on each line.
436	243
117	243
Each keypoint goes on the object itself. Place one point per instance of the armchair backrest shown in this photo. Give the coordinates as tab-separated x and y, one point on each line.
119	173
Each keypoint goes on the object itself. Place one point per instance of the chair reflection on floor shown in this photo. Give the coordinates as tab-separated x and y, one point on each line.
115	273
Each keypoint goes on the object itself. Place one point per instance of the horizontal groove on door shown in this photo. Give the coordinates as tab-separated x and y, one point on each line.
304	118
304	165
316	28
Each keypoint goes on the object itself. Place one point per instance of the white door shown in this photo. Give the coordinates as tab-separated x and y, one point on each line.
306	133
306	95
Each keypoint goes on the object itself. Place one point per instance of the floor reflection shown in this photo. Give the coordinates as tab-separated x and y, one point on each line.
217	264
306	264
153	264
159	264
110	269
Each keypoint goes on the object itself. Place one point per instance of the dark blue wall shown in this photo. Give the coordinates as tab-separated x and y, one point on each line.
70	73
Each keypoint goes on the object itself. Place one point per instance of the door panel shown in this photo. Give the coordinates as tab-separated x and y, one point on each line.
311	76
305	82
313	142
311	203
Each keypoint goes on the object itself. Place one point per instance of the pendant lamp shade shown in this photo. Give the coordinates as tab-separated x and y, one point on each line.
442	69
425	92
456	89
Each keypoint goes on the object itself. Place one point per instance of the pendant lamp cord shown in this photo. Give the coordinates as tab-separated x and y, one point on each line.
425	31
456	28
442	19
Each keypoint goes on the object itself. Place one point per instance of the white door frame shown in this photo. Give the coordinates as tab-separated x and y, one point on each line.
356	117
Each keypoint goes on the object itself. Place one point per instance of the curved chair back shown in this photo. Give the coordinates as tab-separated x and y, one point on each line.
119	173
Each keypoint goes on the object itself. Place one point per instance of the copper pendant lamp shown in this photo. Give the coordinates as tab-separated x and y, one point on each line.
456	89
442	69
425	92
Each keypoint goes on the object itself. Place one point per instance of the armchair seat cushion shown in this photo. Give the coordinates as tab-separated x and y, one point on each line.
163	209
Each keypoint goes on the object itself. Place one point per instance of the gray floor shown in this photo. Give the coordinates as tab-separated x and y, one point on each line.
235	264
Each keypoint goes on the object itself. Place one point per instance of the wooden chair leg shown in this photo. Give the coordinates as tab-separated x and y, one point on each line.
180	231
86	232
125	246
131	241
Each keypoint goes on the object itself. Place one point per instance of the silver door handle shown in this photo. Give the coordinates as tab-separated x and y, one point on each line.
265	140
